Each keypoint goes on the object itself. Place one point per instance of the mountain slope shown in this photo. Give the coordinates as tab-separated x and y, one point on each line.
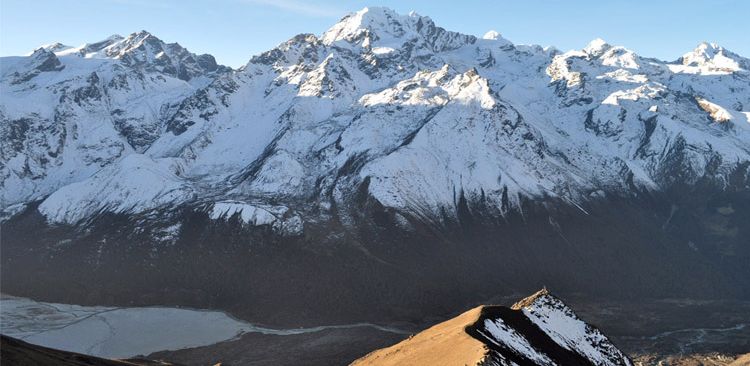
538	330
69	113
602	120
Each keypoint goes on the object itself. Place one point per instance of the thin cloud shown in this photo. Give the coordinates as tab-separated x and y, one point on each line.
301	7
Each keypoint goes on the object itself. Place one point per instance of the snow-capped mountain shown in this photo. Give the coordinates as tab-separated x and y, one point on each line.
69	113
397	95
378	141
539	330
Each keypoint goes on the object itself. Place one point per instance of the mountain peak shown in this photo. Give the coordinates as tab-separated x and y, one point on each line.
43	59
499	335
713	57
540	295
142	32
708	48
54	47
369	19
137	38
114	37
597	47
382	27
492	35
703	52
90	49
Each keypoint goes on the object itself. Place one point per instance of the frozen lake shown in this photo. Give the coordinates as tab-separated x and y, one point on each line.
116	332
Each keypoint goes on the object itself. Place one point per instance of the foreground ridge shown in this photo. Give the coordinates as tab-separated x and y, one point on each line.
538	330
19	353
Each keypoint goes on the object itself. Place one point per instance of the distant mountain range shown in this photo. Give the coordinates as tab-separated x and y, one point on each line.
333	175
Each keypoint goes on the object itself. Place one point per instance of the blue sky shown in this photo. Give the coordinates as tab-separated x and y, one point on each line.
234	30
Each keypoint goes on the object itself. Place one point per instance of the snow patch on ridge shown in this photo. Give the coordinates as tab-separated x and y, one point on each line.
279	217
567	330
249	214
504	336
136	183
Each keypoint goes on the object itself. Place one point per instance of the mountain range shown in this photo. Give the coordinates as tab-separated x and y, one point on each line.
385	155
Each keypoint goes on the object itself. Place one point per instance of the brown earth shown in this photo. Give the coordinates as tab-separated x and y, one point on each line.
447	343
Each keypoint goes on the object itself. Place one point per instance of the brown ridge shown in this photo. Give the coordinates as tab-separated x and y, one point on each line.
446	343
527	301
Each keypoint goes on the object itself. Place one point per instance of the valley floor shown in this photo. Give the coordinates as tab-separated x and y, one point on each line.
121	332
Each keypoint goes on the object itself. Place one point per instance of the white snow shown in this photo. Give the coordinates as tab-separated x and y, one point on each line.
596	47
710	57
248	213
426	114
136	181
565	329
382	50
492	35
503	335
278	217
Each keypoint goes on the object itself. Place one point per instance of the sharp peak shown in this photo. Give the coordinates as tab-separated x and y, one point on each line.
708	45
374	13
364	16
544	293
51	47
492	35
375	10
102	43
597	46
142	34
40	51
597	42
710	49
372	24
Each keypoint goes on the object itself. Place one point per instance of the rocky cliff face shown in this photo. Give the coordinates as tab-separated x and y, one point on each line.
388	143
